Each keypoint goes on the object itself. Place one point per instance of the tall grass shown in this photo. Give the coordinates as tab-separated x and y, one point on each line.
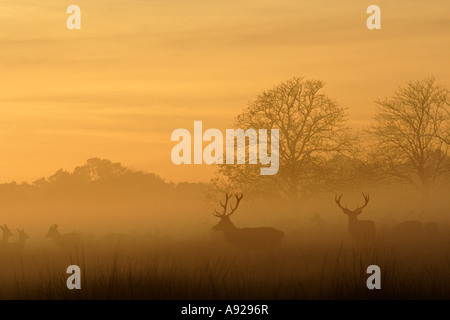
213	270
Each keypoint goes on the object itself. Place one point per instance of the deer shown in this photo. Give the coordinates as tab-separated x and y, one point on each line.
6	235
362	231
246	239
68	241
16	248
20	244
318	221
413	231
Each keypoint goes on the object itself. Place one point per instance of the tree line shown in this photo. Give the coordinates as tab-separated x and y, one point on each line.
406	145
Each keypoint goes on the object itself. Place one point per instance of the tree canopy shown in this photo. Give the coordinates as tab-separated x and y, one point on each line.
312	128
410	130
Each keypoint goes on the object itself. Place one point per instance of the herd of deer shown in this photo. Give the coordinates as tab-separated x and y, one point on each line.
11	249
363	232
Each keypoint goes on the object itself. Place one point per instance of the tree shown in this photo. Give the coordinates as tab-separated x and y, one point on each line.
97	169
312	127
409	130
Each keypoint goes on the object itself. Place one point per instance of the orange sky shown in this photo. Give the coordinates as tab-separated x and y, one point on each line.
137	70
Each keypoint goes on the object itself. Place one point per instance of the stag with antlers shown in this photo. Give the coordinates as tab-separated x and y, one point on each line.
362	231
246	239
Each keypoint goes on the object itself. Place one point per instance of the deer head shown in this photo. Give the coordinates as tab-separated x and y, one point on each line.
225	215
53	231
347	211
22	234
6	232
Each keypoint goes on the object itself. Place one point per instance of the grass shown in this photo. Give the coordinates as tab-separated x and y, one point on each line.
213	270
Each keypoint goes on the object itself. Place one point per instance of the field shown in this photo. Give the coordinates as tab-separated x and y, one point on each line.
209	268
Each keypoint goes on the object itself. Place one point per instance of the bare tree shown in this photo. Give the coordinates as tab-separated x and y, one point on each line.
410	130
312	127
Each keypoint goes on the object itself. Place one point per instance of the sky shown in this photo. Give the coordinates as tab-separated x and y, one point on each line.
139	69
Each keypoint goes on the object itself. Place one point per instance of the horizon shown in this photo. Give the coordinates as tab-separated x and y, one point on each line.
70	170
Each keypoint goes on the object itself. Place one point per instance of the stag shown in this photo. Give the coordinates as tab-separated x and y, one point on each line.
246	239
362	231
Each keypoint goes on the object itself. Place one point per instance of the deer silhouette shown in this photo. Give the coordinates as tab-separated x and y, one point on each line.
318	221
246	239
362	231
6	235
68	241
413	231
12	249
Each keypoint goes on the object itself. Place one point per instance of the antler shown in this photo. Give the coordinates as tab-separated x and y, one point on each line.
338	201
224	206
238	199
366	201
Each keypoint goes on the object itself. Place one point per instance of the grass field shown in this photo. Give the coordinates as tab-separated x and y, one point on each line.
212	269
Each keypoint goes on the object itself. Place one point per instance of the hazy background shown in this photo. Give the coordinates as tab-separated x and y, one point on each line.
138	69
